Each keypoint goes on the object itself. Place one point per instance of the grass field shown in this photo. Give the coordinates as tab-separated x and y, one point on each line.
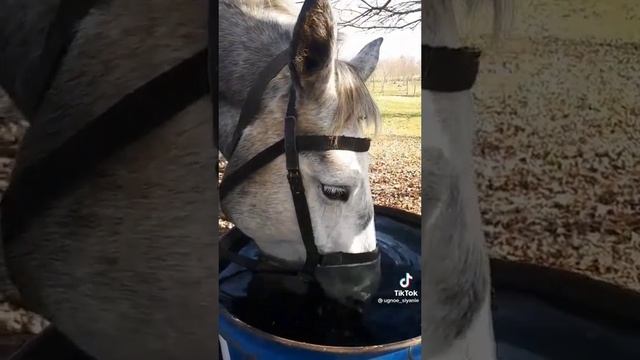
400	115
394	172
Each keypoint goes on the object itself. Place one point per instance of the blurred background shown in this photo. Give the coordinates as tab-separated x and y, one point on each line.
558	140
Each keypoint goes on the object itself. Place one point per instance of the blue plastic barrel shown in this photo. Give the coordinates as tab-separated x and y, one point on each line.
239	341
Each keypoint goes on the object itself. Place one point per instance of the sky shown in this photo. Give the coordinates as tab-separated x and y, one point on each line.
395	44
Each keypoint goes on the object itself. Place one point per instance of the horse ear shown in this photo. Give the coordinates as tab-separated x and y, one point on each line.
314	42
367	59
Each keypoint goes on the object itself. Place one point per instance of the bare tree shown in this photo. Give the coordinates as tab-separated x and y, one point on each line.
381	73
379	14
399	70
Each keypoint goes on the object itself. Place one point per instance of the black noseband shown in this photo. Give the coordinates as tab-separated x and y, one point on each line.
448	69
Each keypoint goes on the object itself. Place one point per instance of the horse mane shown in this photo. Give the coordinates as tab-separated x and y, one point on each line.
355	102
283	6
502	12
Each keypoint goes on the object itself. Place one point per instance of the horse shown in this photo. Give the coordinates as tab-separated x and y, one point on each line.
123	262
333	100
456	304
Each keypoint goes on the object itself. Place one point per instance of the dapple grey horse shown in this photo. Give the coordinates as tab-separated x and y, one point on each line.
334	100
456	288
124	262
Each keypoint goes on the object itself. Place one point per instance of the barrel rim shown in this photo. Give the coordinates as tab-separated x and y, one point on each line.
391	212
359	350
398	214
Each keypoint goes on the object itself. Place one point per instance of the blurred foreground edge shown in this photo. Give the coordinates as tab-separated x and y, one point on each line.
572	293
49	344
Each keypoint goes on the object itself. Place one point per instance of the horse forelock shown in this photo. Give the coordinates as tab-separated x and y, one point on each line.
354	103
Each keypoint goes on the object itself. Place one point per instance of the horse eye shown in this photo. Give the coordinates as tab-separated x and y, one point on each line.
333	192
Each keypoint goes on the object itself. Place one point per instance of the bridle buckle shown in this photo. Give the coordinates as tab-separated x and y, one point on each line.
295	180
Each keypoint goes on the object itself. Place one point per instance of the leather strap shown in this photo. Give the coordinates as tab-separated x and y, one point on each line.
449	70
253	102
342	258
136	114
231	180
231	244
297	187
326	143
234	241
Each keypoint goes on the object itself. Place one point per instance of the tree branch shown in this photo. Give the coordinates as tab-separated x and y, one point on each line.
379	14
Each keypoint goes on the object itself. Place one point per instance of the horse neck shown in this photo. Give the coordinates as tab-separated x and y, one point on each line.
458	251
451	114
240	29
118	48
102	65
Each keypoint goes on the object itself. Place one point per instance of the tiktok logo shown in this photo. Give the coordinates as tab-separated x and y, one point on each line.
405	282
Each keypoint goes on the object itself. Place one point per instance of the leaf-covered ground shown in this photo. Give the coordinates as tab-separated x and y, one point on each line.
558	144
394	171
558	155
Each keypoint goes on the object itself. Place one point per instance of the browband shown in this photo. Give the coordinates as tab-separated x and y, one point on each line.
449	70
303	143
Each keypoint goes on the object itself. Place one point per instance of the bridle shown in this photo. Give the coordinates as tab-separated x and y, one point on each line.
449	70
291	146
